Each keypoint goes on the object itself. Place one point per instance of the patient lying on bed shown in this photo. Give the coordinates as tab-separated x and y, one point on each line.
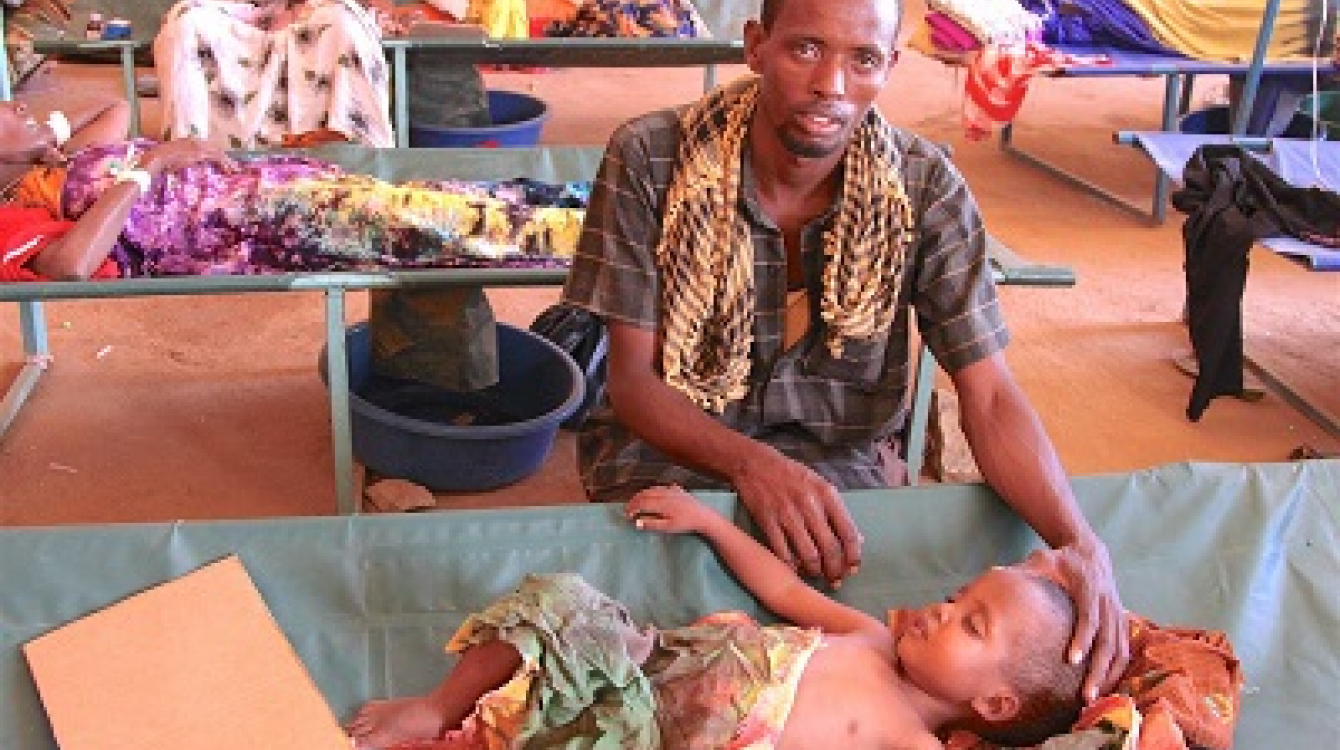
183	208
557	659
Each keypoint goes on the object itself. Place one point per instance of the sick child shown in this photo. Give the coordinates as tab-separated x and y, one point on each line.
558	664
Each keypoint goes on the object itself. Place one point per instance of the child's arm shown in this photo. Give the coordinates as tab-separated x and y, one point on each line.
672	510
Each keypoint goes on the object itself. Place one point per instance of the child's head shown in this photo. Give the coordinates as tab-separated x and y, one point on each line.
996	652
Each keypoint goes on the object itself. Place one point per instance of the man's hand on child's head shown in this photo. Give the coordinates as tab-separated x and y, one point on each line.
1100	636
668	509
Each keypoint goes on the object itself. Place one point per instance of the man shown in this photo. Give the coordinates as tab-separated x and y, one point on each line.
788	190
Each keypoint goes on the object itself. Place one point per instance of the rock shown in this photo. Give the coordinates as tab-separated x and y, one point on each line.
398	496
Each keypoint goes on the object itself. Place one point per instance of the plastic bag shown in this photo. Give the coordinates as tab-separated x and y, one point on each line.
583	336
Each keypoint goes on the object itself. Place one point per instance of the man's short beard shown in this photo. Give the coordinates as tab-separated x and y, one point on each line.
807	149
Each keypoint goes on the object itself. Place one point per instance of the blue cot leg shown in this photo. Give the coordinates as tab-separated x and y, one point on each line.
709	77
1188	85
1154	215
35	346
1171	98
337	369
919	418
1246	105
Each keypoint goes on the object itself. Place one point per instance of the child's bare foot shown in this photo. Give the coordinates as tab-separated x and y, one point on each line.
384	723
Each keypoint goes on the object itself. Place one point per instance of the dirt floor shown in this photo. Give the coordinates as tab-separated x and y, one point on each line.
210	407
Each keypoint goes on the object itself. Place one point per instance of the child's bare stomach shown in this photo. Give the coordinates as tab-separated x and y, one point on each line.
849	697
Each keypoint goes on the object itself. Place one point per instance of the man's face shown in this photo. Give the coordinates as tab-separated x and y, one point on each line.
961	649
22	138
822	64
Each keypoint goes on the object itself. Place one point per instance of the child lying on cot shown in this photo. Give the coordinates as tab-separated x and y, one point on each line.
185	208
556	663
557	659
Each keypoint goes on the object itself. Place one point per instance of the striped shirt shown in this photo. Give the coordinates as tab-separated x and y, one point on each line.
828	413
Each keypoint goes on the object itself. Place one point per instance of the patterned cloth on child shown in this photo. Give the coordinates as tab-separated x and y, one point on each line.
588	671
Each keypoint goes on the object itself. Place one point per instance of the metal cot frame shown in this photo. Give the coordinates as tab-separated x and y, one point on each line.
1178	72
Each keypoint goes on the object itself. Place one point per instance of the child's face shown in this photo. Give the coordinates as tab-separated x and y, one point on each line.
958	650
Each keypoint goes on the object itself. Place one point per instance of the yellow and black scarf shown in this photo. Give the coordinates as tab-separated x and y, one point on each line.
707	258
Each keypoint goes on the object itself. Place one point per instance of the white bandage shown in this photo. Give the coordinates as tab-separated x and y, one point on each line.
60	127
127	170
137	176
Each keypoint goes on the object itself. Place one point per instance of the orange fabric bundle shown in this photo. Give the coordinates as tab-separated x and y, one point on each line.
1191	674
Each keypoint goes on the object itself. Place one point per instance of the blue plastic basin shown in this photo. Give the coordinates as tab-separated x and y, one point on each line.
518	119
415	432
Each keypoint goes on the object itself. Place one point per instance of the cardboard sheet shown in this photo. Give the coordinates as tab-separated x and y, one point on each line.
197	663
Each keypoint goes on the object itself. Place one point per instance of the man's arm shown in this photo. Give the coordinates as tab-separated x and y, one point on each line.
802	516
775	585
1019	462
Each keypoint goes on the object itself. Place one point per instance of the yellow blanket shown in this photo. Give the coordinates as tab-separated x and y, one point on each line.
1227	29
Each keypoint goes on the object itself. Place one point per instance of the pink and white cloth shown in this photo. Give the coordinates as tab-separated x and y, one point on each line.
998	78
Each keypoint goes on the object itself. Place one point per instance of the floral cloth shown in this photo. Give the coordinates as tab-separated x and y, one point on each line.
245	74
620	18
285	213
1108	23
592	678
501	19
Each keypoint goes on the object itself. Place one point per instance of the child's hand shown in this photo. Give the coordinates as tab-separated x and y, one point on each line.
669	510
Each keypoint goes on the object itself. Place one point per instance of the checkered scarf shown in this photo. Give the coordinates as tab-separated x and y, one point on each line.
706	256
